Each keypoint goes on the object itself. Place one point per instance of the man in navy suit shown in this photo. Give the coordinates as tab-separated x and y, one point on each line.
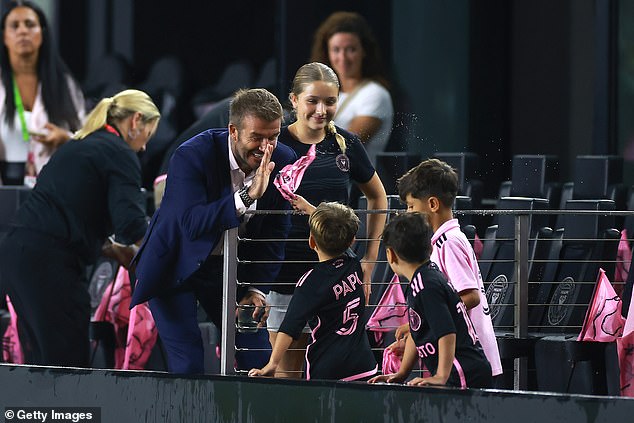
213	179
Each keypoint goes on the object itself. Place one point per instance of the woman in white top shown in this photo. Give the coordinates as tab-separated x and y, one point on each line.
40	102
344	41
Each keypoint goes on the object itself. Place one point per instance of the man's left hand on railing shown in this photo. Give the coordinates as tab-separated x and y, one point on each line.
257	299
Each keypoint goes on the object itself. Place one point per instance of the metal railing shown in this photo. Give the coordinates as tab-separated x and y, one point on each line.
521	263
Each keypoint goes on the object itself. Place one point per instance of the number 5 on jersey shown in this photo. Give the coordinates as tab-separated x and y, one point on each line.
348	315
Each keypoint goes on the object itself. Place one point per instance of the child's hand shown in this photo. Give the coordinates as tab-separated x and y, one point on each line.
402	332
397	347
267	370
393	378
300	204
367	266
428	381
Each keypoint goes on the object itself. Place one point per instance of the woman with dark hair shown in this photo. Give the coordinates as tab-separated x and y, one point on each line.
345	42
40	102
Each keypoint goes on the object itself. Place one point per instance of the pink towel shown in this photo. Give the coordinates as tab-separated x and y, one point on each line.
603	322
391	362
288	179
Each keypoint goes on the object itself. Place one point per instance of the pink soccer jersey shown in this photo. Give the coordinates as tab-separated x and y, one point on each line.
456	259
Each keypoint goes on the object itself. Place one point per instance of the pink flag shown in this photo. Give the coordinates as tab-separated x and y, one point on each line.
623	261
114	308
625	349
603	322
391	312
288	179
135	330
142	336
478	246
11	348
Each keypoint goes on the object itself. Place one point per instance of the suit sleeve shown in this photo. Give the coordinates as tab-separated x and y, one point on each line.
187	187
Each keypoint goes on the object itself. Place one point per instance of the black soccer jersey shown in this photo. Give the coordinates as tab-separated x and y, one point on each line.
330	298
435	310
326	179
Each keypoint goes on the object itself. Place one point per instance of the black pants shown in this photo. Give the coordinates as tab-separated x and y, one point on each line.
44	282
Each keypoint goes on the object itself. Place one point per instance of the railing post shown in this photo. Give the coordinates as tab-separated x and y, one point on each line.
229	278
521	296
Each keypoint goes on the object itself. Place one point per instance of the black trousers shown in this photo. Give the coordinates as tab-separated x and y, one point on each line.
44	282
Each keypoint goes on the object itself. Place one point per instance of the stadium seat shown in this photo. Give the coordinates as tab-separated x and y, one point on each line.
392	165
585	244
467	166
497	262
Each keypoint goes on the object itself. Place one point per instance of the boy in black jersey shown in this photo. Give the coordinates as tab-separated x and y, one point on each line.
441	333
331	298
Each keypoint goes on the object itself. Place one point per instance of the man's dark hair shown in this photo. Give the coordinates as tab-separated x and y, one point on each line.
256	102
430	178
409	235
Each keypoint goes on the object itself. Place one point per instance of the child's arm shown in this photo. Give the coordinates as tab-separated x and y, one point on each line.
470	298
446	355
282	343
409	359
302	205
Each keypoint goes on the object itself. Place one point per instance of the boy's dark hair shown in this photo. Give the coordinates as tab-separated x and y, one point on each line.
409	235
431	177
333	227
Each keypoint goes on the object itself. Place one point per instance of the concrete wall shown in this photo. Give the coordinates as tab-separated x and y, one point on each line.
148	397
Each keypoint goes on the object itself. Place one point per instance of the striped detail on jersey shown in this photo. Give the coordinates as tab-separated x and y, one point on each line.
312	335
303	278
362	375
463	380
442	238
416	284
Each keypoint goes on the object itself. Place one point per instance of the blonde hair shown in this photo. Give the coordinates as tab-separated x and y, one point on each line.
306	75
111	110
332	130
333	227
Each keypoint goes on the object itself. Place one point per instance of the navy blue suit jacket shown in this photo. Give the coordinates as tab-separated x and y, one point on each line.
198	206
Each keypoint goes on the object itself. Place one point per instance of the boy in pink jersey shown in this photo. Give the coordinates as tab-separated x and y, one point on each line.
431	188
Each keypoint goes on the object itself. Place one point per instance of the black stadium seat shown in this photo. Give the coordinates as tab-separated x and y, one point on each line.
497	260
587	243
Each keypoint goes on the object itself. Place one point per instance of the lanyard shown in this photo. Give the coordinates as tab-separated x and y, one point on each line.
19	106
112	130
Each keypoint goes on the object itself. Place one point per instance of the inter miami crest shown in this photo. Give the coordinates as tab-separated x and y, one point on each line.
343	162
